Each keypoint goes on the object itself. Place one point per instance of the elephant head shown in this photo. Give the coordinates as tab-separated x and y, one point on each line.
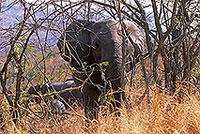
97	42
74	45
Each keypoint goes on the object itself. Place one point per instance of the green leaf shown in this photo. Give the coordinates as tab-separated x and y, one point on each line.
99	98
40	56
178	20
72	70
198	37
112	99
105	63
104	100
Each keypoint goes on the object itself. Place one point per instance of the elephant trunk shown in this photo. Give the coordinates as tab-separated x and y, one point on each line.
111	54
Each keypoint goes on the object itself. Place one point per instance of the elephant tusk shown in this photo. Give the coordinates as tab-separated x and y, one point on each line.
103	33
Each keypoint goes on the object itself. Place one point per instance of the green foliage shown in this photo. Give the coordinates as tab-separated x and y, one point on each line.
105	63
84	65
25	100
72	70
178	19
106	98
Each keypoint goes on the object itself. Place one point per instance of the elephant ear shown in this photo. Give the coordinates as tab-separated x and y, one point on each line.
136	38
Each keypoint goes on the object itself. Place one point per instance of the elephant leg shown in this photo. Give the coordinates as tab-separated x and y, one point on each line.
91	95
125	100
117	103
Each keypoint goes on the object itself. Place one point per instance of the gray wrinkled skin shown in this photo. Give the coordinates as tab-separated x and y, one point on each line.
57	106
97	42
68	97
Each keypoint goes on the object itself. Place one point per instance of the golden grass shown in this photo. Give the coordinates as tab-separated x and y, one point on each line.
164	116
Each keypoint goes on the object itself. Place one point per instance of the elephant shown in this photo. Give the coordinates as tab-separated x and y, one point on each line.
69	97
90	43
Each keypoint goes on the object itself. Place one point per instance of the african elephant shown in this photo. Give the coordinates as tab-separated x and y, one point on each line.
69	96
91	43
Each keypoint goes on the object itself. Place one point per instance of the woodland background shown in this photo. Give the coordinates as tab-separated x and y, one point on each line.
163	93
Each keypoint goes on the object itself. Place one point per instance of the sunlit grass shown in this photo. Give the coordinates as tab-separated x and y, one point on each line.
164	115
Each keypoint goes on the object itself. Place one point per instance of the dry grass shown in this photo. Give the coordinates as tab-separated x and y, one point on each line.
164	116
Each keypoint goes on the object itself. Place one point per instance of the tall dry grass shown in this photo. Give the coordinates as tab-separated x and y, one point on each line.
164	115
